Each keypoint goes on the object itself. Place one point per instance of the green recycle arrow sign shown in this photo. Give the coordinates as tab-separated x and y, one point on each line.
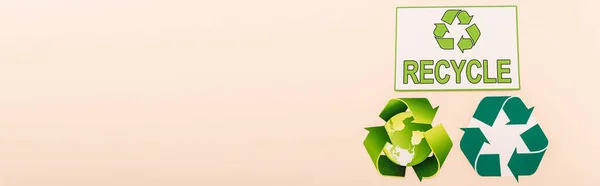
516	114
408	139
464	43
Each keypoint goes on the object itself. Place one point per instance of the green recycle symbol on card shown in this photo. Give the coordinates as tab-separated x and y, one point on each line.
465	42
503	138
408	139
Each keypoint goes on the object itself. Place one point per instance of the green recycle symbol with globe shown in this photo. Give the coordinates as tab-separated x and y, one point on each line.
503	138
408	139
464	43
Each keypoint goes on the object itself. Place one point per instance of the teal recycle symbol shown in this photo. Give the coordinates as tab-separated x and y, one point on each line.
503	138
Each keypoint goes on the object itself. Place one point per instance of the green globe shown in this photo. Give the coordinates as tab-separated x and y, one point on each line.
408	147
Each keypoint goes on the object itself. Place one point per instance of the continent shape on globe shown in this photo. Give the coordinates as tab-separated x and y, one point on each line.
408	146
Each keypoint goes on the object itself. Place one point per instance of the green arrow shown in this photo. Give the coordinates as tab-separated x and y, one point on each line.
449	16
440	30
488	109
464	18
421	109
374	143
471	143
440	144
464	44
393	107
488	165
535	139
517	112
474	33
524	164
445	43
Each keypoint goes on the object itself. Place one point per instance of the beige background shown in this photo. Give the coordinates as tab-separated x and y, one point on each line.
262	92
